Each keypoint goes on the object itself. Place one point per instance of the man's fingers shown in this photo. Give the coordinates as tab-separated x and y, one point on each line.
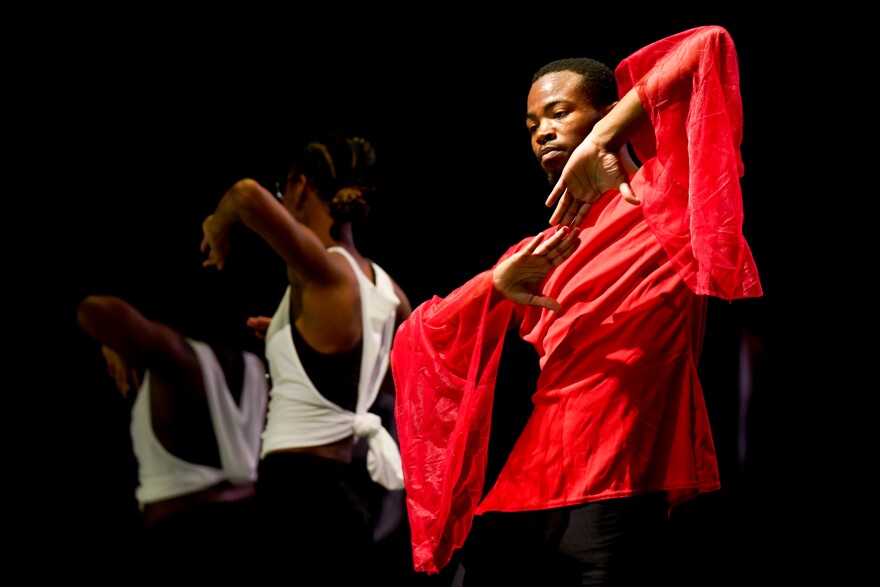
545	302
628	194
532	246
557	192
561	211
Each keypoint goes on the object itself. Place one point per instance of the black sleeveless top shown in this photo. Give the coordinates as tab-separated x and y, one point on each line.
334	376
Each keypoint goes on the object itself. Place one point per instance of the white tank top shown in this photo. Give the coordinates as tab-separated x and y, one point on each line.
237	426
300	416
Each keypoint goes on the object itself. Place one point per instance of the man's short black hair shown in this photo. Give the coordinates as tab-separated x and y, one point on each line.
599	85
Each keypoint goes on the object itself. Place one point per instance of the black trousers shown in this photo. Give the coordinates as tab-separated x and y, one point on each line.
611	542
312	518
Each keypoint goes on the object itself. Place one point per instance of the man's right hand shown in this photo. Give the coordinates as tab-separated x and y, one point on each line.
521	276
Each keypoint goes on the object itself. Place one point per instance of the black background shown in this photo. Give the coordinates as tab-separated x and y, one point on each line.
128	130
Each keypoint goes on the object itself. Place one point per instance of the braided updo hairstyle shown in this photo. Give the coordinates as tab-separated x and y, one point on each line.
342	170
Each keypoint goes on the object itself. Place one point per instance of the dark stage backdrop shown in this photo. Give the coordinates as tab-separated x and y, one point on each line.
137	128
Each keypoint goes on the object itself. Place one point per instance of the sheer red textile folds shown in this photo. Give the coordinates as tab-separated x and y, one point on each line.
689	85
445	412
619	361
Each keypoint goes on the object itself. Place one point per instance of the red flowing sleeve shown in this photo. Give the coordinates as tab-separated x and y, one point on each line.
689	85
444	361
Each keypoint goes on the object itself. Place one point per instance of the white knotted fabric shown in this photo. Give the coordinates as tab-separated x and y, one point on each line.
237	427
383	456
300	416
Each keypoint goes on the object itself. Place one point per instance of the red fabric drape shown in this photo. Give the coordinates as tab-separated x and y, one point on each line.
445	356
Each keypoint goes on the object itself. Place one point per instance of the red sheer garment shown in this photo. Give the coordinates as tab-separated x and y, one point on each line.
619	409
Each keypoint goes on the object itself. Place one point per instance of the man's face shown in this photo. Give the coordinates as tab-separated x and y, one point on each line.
559	118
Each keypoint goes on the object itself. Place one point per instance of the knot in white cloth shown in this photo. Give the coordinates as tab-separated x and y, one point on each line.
383	454
366	424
